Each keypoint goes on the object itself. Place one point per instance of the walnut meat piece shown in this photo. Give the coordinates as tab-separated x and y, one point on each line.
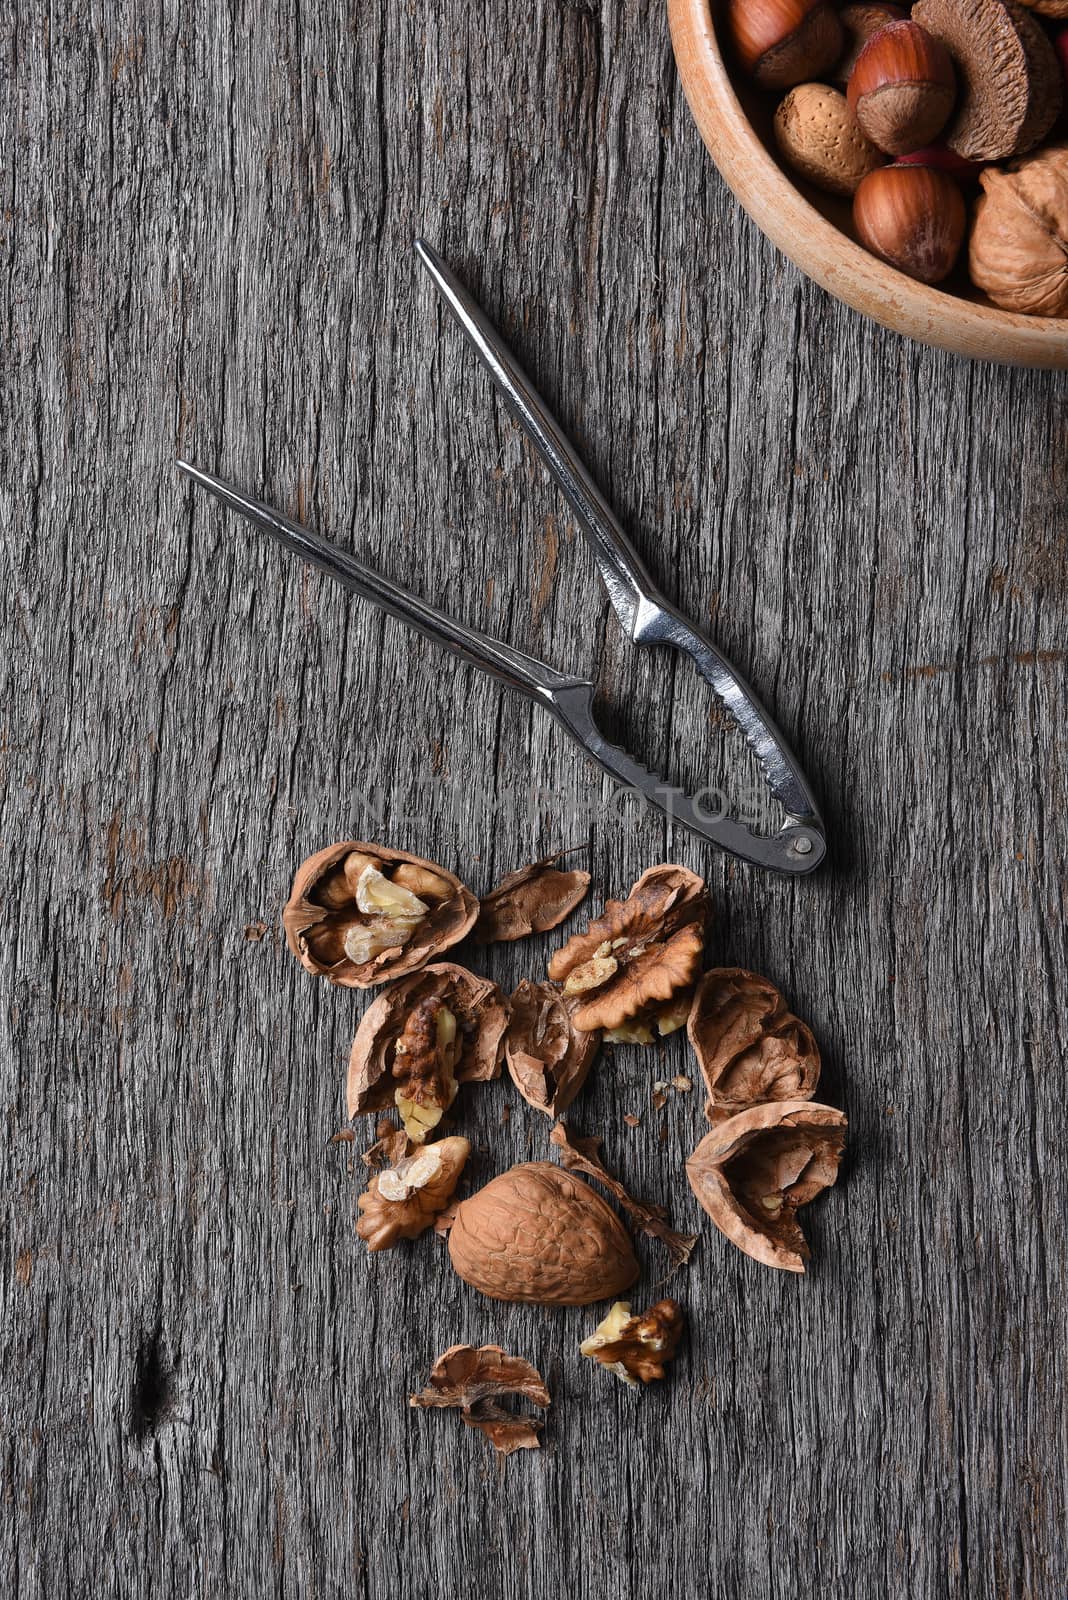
749	1047
546	1055
1018	251
402	1202
635	964
532	900
538	1235
361	914
753	1173
474	1381
637	1347
422	1038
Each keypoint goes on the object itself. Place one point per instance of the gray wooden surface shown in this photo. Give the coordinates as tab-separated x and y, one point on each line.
205	227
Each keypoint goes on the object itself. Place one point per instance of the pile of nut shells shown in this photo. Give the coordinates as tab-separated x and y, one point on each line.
367	916
943	123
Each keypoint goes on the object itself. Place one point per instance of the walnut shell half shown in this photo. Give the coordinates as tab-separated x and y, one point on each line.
547	1057
407	1053
540	1235
360	914
749	1047
1018	250
753	1172
638	958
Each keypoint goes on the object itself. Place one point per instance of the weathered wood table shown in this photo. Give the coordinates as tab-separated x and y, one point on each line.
206	227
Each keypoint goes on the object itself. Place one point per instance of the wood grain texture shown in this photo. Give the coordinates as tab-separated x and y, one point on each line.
205	229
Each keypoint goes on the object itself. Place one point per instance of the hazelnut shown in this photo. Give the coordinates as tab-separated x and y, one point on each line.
942	159
1018	251
636	1347
902	88
361	914
858	24
1011	84
783	42
537	1234
819	136
913	218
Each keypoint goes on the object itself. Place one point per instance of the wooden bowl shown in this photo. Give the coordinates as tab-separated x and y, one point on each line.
815	230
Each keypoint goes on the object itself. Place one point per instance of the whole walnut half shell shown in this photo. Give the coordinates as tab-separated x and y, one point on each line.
1018	250
547	1057
749	1047
540	1235
360	914
636	963
402	1202
475	1381
753	1172
637	1347
532	900
420	1039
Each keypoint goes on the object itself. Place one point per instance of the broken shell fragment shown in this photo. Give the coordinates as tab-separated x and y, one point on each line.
402	1202
749	1047
539	1235
422	1038
360	914
637	1347
475	1381
584	1155
636	963
547	1057
532	900
753	1172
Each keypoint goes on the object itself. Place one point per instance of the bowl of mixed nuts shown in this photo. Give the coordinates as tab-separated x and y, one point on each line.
556	1230
912	160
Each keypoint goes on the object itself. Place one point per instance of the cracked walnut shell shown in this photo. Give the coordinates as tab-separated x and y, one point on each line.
635	965
422	1038
361	914
753	1173
637	1347
749	1047
547	1057
540	1235
402	1202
